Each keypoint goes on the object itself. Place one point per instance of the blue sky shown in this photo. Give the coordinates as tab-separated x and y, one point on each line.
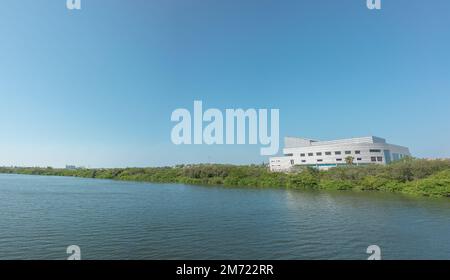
96	87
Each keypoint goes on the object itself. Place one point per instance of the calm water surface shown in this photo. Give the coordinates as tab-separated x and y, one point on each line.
41	216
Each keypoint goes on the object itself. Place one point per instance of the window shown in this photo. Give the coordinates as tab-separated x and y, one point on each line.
288	155
292	162
302	155
328	153
395	156
373	159
319	160
348	152
375	151
338	159
303	160
310	154
379	158
359	158
318	154
357	152
337	153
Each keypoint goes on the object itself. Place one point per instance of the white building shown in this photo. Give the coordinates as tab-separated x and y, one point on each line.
326	154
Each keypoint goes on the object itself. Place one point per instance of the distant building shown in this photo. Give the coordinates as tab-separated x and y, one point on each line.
327	154
71	167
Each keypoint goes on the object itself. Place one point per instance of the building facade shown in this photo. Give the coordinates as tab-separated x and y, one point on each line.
327	154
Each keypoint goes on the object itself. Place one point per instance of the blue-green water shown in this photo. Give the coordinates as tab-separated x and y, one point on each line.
41	216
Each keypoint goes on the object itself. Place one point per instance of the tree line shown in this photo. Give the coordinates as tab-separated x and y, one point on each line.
409	176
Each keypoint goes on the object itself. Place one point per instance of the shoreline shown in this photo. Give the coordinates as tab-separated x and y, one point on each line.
410	176
307	190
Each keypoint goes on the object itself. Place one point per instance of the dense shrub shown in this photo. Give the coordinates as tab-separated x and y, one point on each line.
306	179
412	176
435	185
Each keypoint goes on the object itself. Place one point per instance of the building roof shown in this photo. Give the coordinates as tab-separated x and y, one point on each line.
297	142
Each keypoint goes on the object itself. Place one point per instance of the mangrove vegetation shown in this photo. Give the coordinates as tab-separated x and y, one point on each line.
410	176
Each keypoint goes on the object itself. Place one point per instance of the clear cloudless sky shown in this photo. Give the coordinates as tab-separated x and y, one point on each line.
96	87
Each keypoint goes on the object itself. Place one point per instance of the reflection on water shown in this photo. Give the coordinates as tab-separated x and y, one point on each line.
41	216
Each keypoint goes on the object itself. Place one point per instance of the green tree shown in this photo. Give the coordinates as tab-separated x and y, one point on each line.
349	160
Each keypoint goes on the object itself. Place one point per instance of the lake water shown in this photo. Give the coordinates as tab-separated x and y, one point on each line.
40	216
